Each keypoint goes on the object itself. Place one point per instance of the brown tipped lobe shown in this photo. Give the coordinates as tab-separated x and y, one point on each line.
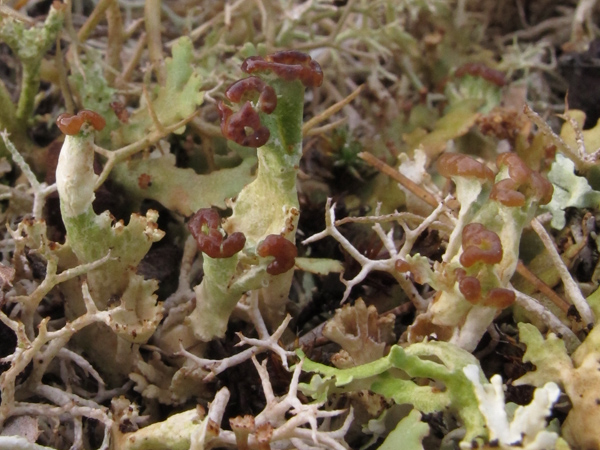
481	70
71	124
267	97
505	192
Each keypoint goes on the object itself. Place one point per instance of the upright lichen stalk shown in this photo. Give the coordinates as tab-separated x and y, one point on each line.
91	237
30	46
266	211
482	252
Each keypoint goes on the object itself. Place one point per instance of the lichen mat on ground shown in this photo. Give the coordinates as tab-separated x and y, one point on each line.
285	224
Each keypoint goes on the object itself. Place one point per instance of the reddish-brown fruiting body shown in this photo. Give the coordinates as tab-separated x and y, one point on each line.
456	164
470	288
402	266
95	119
480	245
499	298
524	180
267	100
204	217
288	65
233	126
283	250
505	192
517	169
232	244
541	187
481	70
204	226
71	124
289	57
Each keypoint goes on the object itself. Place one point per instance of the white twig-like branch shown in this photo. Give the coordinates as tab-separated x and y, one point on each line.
43	349
582	159
367	265
277	410
571	288
40	190
385	265
210	426
263	343
19	443
184	292
30	302
534	307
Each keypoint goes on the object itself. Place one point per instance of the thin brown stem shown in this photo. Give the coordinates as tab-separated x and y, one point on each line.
413	187
62	79
155	120
155	48
132	28
327	128
330	111
115	41
134	60
210	24
93	20
542	287
571	288
343	18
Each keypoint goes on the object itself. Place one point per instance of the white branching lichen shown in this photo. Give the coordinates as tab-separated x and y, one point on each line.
385	265
527	429
285	422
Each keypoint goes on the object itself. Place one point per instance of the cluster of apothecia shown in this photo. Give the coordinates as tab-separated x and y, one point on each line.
205	226
481	245
287	65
